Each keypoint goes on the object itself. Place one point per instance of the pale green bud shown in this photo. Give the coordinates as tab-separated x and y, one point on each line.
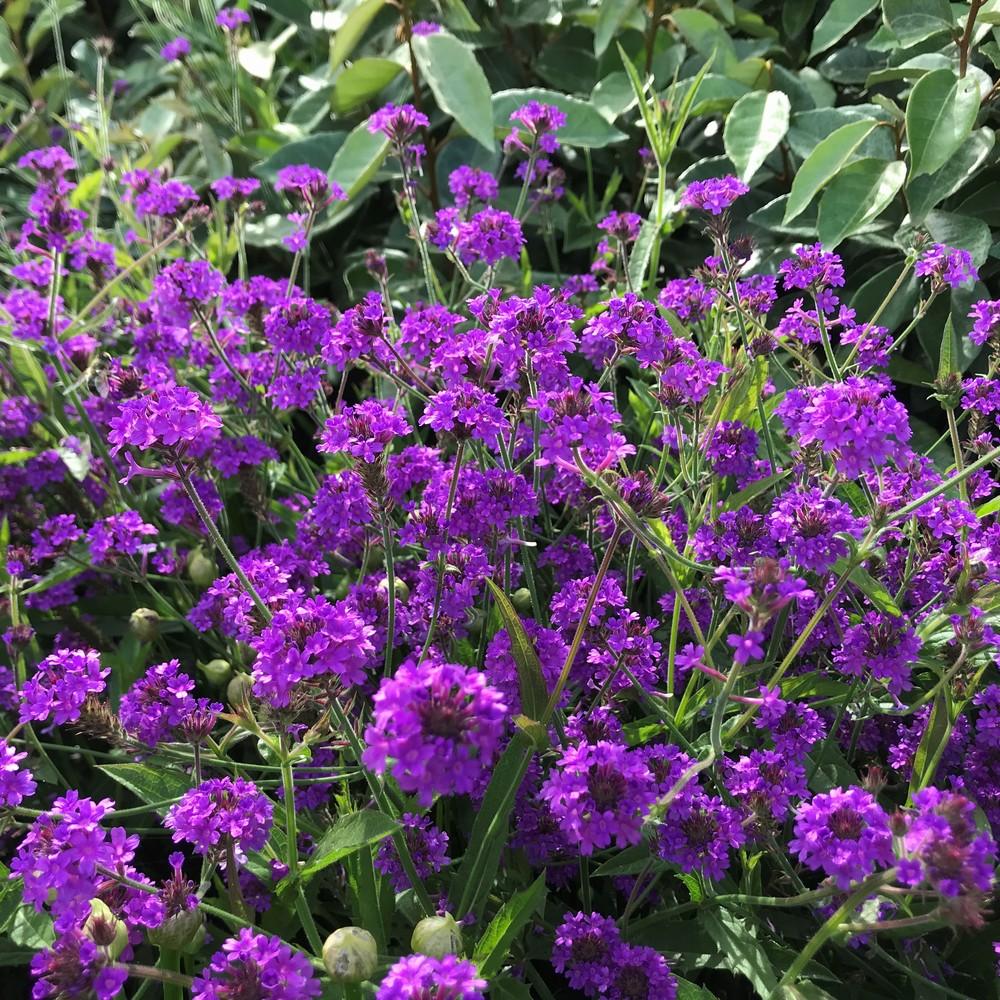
350	955
105	929
200	568
437	936
144	624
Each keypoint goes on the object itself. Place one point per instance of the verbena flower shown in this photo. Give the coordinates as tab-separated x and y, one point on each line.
428	847
714	195
157	703
535	126
491	235
844	833
986	316
254	966
882	646
231	18
363	430
416	977
946	265
175	419
584	949
219	810
599	794
16	782
807	523
436	727
176	50
466	411
398	124
74	966
57	690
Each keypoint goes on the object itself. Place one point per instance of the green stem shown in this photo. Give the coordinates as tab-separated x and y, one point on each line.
390	580
170	962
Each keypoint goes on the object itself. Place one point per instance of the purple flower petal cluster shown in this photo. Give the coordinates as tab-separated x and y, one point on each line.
600	794
807	523
465	411
254	966
881	646
428	847
308	640
16	782
986	320
218	811
812	268
417	977
364	430
175	50
237	189
398	124
946	265
157	703
468	184
490	236
60	686
714	195
844	833
436	728
534	129
74	966
175	419
231	18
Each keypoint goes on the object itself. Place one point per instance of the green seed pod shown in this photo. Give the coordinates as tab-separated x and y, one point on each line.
521	599
144	624
105	929
400	587
437	936
350	955
217	672
200	568
184	931
238	689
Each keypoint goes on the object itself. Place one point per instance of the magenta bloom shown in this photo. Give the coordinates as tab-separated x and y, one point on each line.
436	727
175	50
490	236
538	125
641	973
61	684
844	833
468	183
418	977
623	226
698	832
881	646
423	28
807	523
428	848
254	966
467	411
219	809
310	184
174	418
585	944
231	18
157	703
364	430
714	195
600	794
74	966
234	188
813	268
398	124
986	314
16	783
947	266
310	640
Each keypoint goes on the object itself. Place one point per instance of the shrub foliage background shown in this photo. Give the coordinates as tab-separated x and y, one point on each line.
443	474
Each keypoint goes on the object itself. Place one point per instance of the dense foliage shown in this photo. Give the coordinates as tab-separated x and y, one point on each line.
499	500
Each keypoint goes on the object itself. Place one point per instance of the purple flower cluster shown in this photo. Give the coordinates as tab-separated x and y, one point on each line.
221	812
256	965
60	686
713	196
417	977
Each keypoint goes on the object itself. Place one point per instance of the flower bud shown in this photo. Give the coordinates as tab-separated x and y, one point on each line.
217	672
350	955
144	624
184	931
105	929
437	936
200	568
399	586
238	689
521	599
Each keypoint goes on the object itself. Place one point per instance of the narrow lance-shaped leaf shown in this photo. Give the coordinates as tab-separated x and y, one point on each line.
494	945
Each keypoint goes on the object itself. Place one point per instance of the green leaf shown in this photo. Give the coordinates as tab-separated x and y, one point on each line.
360	82
870	587
932	742
856	196
706	36
912	21
352	30
642	251
584	124
258	58
610	18
476	874
506	988
755	126
9	59
928	190
820	167
16	456
841	16
358	159
493	947
686	990
349	834
741	951
151	784
531	683
946	359
458	83
940	114
318	151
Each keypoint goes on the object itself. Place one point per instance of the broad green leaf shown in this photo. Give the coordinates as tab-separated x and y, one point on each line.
642	250
493	946
478	869
151	784
458	83
754	127
706	36
840	18
856	196
686	990
912	21
928	190
584	124
348	834
613	96
258	58
531	684
318	151
360	82
352	30
358	159
610	18
741	951
940	114
829	157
